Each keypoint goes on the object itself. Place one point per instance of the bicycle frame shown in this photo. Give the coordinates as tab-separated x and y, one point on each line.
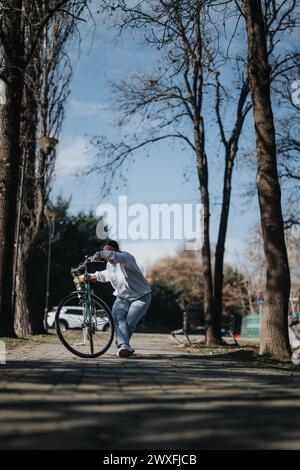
86	293
92	310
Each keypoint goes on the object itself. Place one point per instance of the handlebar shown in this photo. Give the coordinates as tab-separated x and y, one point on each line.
85	262
83	265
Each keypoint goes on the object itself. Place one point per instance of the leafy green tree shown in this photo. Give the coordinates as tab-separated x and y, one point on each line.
74	237
164	313
176	286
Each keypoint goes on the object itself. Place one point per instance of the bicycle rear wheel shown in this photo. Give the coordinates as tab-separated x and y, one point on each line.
85	335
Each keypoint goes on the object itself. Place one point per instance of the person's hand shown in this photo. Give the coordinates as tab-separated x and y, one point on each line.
90	278
96	256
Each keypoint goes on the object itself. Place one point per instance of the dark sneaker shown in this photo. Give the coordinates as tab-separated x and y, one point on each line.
124	351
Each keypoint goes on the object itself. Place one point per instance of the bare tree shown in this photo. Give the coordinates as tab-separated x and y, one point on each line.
274	339
280	20
16	58
163	100
253	265
288	145
45	93
169	101
293	248
12	76
230	145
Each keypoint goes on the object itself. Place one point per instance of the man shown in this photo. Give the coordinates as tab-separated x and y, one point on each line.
131	289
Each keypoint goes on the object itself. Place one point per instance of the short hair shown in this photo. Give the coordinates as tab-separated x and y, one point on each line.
111	243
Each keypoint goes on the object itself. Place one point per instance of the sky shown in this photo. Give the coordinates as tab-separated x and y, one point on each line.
154	177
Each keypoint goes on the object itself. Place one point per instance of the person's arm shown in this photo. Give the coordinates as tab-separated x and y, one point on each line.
114	256
98	276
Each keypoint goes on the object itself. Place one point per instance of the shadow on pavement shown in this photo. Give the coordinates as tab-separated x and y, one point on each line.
158	401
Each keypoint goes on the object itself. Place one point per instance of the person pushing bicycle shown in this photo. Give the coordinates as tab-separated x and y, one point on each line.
131	289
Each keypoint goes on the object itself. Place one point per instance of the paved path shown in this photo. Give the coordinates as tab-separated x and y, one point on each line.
164	398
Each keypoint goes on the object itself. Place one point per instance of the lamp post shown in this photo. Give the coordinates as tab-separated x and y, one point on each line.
51	216
47	144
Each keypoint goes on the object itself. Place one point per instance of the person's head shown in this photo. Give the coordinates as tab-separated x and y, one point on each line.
111	245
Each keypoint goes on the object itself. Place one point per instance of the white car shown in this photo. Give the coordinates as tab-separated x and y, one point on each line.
71	317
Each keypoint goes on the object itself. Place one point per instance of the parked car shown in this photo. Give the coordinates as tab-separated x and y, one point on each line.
71	317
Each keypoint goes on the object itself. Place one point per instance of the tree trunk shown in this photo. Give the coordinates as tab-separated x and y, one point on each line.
212	333
274	339
22	317
231	149
23	325
220	247
29	313
28	131
10	157
212	330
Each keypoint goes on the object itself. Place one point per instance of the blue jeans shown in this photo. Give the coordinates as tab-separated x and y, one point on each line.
126	315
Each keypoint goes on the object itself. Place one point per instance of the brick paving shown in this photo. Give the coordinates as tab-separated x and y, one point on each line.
165	397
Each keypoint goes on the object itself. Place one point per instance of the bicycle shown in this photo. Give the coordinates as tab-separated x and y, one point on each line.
83	321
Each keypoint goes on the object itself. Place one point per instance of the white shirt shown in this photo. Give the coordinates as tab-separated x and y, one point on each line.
124	275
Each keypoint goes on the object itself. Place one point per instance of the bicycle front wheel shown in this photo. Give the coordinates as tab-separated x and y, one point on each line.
85	328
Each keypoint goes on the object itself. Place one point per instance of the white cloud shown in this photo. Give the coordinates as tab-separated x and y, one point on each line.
71	155
88	108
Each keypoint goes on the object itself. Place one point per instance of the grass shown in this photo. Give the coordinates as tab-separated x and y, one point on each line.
12	343
248	354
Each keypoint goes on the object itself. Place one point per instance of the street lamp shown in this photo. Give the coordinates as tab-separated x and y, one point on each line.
47	144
